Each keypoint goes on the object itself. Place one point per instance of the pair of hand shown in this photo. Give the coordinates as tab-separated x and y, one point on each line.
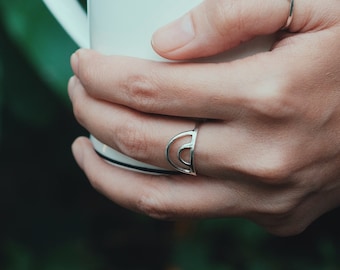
269	149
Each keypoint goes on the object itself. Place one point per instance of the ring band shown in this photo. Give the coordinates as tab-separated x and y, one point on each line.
290	16
181	165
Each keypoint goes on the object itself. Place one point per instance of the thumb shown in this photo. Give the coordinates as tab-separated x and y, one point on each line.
217	25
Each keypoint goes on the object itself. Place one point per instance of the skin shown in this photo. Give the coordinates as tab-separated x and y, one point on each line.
269	150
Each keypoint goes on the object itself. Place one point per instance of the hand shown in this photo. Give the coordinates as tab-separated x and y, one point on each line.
269	149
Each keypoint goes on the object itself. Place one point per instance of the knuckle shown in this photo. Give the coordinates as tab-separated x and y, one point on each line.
142	93
275	106
132	139
274	167
273	174
272	99
151	205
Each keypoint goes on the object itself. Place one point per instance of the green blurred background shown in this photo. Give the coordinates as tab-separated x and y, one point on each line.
51	218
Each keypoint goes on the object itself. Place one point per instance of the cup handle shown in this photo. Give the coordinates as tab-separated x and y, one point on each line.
72	18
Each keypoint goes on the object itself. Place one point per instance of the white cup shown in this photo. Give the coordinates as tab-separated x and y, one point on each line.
125	27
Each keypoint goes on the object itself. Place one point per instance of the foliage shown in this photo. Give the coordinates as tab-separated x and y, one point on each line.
41	39
53	219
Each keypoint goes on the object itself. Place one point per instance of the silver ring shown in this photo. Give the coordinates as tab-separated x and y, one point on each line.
180	164
290	16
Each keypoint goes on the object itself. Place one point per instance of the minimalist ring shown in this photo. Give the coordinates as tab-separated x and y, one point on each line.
290	16
180	164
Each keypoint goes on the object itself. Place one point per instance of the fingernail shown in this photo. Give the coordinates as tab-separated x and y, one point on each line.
174	35
74	62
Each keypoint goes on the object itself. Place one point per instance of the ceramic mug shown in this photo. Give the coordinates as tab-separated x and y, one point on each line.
125	27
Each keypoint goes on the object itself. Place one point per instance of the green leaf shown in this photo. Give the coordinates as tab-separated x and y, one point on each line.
41	39
23	94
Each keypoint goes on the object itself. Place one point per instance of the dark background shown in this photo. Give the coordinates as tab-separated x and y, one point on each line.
51	218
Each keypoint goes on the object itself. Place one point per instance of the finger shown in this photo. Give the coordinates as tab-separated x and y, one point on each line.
209	91
186	90
140	136
235	150
157	196
174	197
144	137
215	26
